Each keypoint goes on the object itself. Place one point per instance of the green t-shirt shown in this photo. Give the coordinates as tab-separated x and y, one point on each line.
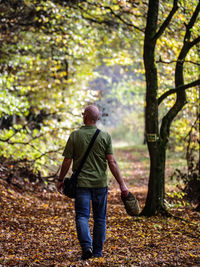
93	173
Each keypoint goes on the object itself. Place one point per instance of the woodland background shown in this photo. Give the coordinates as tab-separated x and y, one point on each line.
58	56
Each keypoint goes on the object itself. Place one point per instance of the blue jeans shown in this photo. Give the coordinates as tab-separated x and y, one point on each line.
82	209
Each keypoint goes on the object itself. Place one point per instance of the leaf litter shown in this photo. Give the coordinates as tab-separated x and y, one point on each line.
38	229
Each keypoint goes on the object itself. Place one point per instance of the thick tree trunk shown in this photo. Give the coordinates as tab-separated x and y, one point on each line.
156	188
155	197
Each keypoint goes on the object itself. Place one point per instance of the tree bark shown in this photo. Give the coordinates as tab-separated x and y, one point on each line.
155	196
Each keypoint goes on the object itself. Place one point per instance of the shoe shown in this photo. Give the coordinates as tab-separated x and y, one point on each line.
87	253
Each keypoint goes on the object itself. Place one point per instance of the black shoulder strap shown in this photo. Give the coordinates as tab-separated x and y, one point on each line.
86	153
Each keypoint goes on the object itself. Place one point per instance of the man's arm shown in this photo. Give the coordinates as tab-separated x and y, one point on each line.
64	169
114	168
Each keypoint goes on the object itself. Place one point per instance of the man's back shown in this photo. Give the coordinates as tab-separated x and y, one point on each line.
93	173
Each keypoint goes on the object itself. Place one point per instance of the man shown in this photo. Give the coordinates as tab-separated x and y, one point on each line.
92	181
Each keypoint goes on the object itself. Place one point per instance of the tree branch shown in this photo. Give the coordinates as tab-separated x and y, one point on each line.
179	79
106	21
167	20
122	20
175	90
194	42
45	154
191	23
20	142
15	132
175	61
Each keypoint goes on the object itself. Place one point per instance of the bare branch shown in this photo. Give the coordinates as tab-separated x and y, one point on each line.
175	61
106	21
178	89
194	42
192	127
191	23
20	142
179	79
45	154
125	22
167	20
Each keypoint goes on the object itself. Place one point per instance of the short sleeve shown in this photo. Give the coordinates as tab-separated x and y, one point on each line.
69	148
109	149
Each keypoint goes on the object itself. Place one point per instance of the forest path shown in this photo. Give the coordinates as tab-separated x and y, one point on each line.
38	229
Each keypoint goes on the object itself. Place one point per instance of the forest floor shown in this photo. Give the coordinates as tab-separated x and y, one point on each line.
38	229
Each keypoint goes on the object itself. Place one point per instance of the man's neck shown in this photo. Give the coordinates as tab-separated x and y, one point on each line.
90	124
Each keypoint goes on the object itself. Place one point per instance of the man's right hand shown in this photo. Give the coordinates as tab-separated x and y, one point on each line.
60	186
124	190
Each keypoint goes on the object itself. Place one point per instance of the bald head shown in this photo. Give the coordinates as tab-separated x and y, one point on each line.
91	114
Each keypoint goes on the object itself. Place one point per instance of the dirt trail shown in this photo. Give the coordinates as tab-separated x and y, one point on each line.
37	229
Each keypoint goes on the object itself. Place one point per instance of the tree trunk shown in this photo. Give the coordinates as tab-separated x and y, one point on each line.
157	150
156	188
